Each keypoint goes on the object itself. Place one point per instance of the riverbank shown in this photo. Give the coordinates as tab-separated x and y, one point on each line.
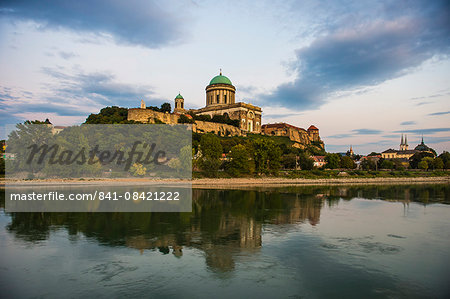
233	182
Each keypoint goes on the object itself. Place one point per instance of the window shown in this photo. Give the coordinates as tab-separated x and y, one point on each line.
225	98
217	97
182	105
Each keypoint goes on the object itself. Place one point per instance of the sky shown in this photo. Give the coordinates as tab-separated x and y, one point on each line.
363	72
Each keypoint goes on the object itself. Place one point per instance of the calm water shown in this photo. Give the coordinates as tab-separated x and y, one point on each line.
291	242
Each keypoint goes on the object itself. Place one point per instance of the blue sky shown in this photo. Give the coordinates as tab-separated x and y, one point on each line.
363	72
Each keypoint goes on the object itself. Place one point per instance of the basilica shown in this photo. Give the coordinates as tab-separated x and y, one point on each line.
220	99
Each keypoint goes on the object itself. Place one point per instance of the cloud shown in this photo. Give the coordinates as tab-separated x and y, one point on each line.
67	55
439	113
133	22
408	123
366	50
73	94
98	88
366	131
425	131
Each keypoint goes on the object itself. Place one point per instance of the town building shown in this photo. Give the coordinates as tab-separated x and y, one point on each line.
404	152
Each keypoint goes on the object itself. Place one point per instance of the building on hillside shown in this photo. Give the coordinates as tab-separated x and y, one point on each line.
220	100
179	104
404	152
296	134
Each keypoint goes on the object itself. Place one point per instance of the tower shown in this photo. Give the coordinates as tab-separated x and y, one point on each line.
179	104
143	104
404	143
220	91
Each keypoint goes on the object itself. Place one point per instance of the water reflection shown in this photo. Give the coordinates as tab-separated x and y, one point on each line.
311	241
223	223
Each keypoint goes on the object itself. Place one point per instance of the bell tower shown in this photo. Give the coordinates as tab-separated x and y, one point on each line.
179	104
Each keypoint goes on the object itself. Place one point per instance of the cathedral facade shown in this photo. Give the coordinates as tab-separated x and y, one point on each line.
221	100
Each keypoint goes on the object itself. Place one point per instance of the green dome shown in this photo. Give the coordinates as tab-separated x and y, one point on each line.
179	96
220	80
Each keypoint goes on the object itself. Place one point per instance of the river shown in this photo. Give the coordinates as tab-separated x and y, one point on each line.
288	242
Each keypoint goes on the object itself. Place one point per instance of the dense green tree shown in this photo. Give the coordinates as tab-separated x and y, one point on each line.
2	166
240	161
438	163
333	161
387	164
305	161
166	108
110	115
289	161
267	156
445	156
423	165
417	157
369	164
429	161
347	163
211	151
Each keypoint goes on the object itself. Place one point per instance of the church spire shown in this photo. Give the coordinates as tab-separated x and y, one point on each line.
406	140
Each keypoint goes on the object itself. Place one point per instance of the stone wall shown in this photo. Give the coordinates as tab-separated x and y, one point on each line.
216	128
148	116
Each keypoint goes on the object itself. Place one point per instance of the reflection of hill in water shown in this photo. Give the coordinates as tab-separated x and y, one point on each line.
223	223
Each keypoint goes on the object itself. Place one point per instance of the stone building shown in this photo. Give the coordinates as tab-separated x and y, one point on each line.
220	100
404	152
300	136
179	104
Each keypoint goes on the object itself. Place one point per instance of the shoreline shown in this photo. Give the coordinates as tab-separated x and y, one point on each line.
220	183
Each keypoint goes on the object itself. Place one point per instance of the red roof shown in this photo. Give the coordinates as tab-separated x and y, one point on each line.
312	127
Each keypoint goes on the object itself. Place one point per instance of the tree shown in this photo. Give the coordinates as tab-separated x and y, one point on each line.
369	164
211	151
305	161
183	119
289	161
387	164
240	162
267	156
445	156
417	157
333	160
110	115
429	161
438	163
423	165
347	163
166	108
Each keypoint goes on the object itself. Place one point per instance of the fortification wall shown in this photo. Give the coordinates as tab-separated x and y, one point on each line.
148	116
216	128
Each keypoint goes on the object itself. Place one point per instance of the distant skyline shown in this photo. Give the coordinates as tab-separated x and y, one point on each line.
363	72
